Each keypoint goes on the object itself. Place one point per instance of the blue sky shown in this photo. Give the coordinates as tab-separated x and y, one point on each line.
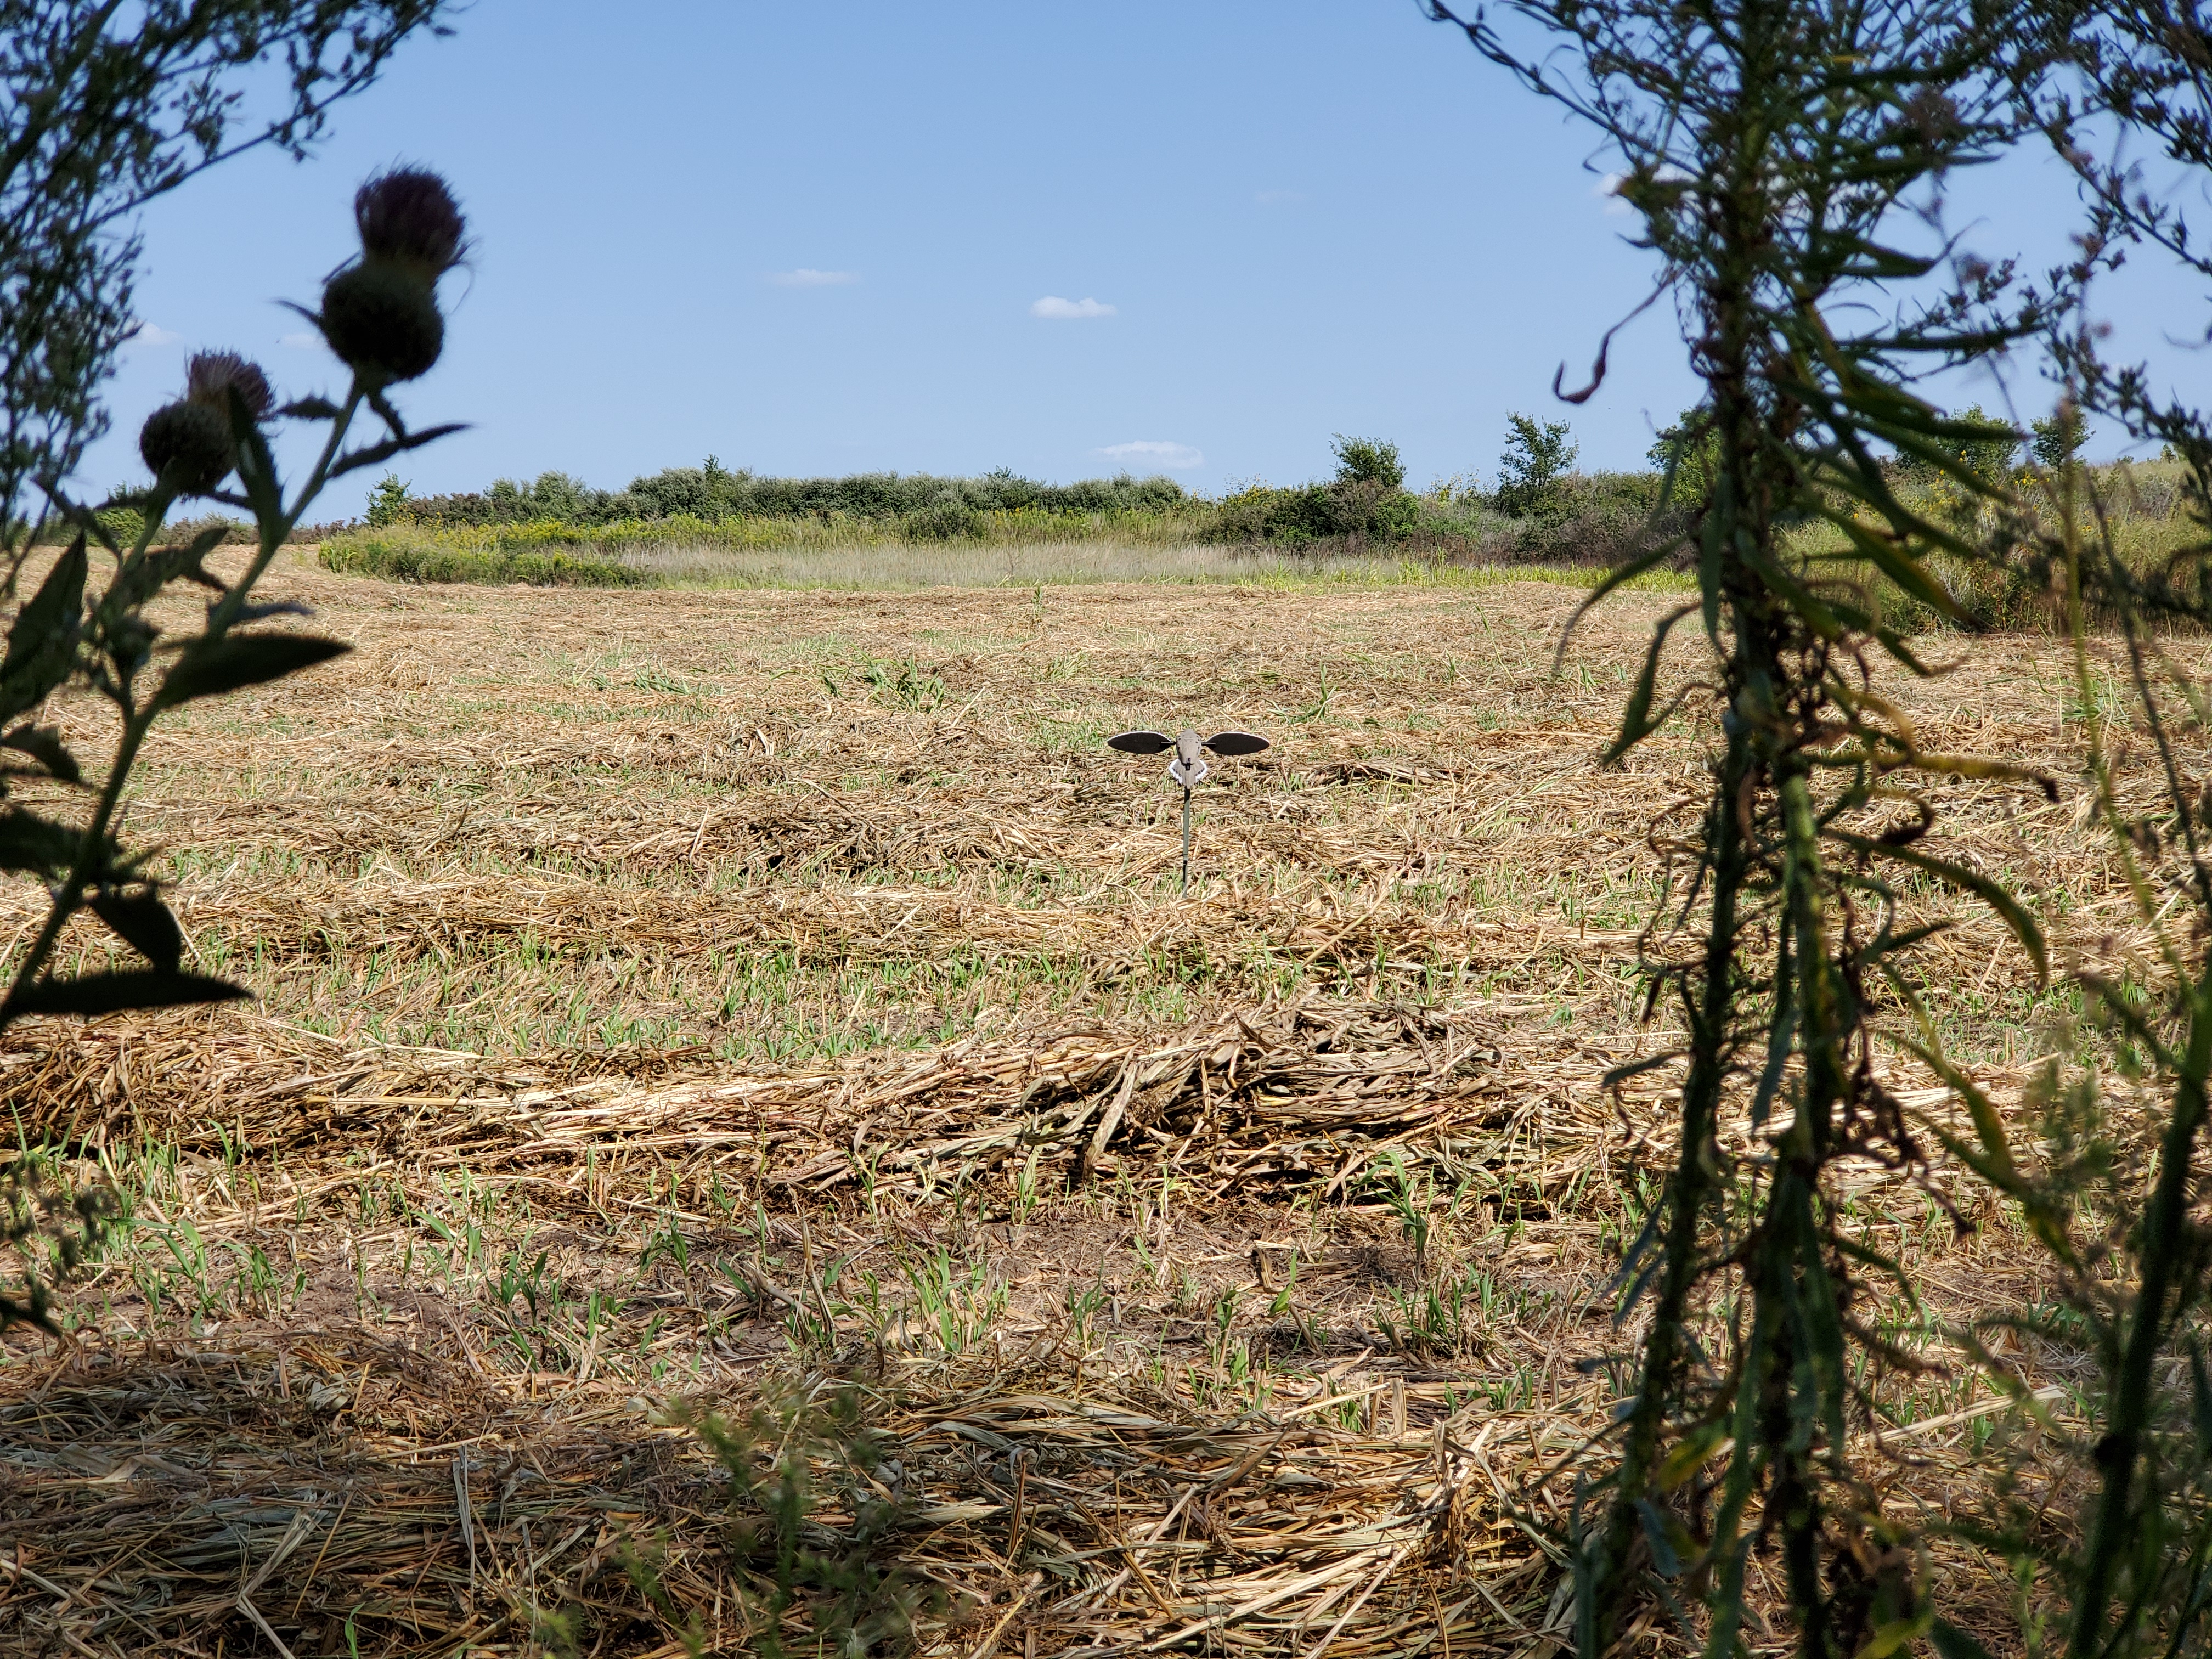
811	239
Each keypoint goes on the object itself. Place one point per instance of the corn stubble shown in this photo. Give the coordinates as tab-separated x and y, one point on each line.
1031	1260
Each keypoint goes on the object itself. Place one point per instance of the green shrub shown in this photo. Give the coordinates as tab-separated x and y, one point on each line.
1368	461
712	492
2057	440
387	501
406	558
1990	456
123	521
1593	518
948	519
1363	509
1537	459
1374	509
1690	448
553	551
1259	513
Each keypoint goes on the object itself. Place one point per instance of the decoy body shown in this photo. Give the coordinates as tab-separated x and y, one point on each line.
1188	766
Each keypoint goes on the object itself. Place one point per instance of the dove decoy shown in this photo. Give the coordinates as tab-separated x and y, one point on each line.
1188	767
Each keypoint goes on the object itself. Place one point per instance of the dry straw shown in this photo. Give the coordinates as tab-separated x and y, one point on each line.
1197	1168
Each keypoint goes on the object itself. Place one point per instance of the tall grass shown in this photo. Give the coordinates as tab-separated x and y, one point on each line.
2143	518
414	556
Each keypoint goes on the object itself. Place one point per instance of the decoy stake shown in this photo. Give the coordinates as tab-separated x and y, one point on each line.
1188	765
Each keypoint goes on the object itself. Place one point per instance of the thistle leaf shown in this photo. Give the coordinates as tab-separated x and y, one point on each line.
43	743
2010	910
34	844
243	660
44	629
145	924
111	993
1636	721
390	447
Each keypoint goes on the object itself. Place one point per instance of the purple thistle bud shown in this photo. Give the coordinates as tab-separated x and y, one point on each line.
382	321
187	446
409	217
211	376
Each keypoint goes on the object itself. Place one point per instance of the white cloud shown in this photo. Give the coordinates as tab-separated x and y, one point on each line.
305	340
1279	198
1157	451
1059	310
807	277
146	335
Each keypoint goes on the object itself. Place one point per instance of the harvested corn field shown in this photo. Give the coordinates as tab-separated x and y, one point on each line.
742	1136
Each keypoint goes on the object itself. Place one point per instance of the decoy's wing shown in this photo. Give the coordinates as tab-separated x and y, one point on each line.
1235	742
1140	743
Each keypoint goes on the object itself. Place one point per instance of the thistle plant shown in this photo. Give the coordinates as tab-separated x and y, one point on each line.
2122	1219
1786	160
103	108
2141	1580
381	315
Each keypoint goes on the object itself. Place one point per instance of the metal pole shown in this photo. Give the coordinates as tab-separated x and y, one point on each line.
1185	838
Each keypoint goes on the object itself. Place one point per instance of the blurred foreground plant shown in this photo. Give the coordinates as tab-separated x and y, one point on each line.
1787	162
2118	1201
103	107
2113	1194
380	314
2141	1576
